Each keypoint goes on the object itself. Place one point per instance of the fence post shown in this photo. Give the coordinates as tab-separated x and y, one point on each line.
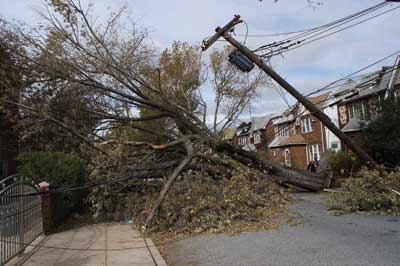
47	210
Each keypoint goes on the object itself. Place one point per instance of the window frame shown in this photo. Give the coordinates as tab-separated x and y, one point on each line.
314	149
306	124
359	110
242	140
283	131
257	137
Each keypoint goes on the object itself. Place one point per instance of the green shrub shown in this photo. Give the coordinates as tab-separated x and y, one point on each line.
369	192
342	164
383	134
56	168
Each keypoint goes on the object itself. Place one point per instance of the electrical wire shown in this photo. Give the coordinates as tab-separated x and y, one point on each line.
333	24
354	73
280	92
318	27
77	188
340	30
306	38
89	249
340	22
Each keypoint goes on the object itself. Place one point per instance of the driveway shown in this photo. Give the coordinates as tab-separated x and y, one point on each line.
322	240
95	245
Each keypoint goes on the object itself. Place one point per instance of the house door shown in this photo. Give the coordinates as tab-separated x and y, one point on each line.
288	162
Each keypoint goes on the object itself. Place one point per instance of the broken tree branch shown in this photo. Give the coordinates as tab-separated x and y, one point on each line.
171	180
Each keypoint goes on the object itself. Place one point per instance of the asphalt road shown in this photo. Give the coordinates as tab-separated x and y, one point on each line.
322	240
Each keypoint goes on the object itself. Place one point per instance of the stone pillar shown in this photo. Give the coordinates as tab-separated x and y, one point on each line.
47	208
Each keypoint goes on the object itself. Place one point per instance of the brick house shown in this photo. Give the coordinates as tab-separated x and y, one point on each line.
300	137
360	103
252	135
295	137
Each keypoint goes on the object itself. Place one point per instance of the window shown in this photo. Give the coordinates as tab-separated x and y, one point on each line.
314	152
335	146
257	137
359	110
283	130
242	140
306	125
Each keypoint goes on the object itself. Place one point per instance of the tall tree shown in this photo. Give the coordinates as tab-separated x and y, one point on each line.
10	88
233	89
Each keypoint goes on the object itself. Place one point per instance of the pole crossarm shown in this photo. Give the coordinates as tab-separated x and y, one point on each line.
220	32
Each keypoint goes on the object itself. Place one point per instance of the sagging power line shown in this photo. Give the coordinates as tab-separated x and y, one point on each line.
321	32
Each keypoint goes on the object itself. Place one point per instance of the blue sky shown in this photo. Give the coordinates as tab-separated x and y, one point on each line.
307	68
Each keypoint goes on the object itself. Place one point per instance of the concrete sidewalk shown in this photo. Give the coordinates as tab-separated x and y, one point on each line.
124	246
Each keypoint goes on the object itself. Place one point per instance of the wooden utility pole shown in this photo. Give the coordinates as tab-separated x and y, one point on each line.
224	32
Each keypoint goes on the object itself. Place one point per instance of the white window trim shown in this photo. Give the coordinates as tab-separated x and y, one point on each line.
284	131
288	161
257	137
306	125
313	150
242	140
363	111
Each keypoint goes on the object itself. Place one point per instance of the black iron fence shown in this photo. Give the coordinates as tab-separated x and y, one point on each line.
20	216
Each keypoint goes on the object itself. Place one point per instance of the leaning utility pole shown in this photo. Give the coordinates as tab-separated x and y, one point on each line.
224	32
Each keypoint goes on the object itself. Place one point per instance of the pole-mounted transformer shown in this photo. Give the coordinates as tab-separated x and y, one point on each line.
242	62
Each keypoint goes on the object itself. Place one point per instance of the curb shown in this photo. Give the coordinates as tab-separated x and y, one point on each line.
155	253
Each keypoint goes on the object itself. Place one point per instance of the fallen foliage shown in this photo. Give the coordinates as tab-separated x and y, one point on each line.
199	203
370	191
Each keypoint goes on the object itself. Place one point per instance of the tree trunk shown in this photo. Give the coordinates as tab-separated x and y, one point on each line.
277	173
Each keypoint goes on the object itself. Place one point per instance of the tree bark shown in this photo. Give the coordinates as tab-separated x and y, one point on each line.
277	173
168	184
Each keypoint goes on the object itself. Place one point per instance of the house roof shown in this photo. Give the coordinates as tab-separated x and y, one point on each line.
258	123
376	83
291	140
292	112
354	124
346	86
395	77
229	133
320	100
243	129
249	147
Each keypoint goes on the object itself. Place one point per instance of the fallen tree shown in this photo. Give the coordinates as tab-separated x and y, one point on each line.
121	72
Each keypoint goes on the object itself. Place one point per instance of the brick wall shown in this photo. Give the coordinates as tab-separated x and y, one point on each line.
298	156
277	155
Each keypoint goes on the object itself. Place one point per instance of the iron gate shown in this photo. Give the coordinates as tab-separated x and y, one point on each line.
20	216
